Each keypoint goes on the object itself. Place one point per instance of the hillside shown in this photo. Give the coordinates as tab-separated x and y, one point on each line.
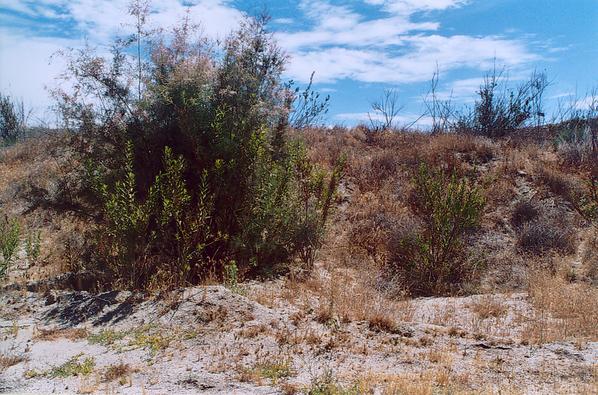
522	317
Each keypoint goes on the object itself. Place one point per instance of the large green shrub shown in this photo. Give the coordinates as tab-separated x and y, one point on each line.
434	260
194	170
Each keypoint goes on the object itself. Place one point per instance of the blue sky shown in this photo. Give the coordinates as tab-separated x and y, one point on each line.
356	48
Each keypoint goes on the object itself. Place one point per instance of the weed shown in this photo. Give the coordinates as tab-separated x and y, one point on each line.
33	246
148	338
106	337
10	231
435	261
275	371
327	384
73	367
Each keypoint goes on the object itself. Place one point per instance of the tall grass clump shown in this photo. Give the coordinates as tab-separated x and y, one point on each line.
434	260
12	120
189	165
10	232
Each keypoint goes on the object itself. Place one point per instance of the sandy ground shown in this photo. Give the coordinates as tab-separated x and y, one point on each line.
215	340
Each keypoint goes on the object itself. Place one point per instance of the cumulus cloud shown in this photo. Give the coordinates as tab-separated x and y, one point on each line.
344	44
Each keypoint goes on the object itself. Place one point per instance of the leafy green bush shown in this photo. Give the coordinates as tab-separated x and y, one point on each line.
435	260
10	231
194	170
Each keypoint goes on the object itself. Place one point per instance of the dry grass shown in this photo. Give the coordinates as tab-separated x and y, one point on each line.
7	360
488	306
61	333
350	295
589	259
119	372
562	310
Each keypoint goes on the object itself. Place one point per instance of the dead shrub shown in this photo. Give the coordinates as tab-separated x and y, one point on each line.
488	306
61	333
524	212
556	181
118	371
547	233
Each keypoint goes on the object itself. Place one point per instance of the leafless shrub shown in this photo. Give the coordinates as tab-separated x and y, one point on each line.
547	233
524	212
385	111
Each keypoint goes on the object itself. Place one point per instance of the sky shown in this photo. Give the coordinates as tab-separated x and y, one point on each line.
357	48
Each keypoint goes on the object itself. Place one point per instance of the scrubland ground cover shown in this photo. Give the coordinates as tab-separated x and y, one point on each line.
351	260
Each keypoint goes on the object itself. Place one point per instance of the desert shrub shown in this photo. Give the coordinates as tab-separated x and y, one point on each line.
546	233
435	260
501	111
12	120
524	212
195	170
10	231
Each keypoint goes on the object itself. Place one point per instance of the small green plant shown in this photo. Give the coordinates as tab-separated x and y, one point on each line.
435	261
271	370
10	232
231	276
31	374
106	337
33	246
72	367
327	384
150	338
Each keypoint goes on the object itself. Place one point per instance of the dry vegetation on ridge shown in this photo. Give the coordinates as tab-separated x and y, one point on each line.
530	328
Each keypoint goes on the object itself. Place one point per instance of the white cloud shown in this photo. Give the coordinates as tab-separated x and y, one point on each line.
401	120
338	42
343	44
408	7
26	68
415	63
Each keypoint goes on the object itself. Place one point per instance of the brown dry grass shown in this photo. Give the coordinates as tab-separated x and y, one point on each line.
119	371
488	306
562	310
7	360
61	333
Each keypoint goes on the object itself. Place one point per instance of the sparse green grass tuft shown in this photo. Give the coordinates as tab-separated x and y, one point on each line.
106	337
72	367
